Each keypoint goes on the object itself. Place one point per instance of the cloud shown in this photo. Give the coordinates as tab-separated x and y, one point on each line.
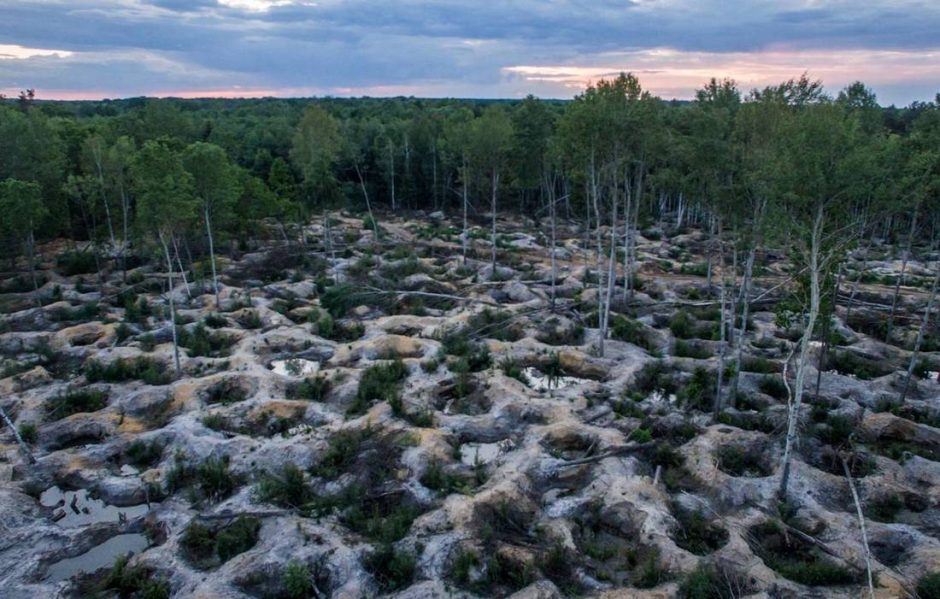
428	47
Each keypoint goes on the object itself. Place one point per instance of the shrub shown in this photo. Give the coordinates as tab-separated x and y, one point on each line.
250	319
74	402
298	581
209	548
696	534
142	454
286	488
379	382
928	587
758	364
665	455
686	349
141	368
201	342
885	509
76	263
699	391
312	388
134	581
28	432
391	568
682	325
773	386
513	369
210	479
215	321
225	392
238	537
626	329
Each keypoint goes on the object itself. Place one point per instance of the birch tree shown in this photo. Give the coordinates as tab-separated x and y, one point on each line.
216	185
166	204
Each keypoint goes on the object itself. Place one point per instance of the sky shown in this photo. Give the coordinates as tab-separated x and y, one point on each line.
91	49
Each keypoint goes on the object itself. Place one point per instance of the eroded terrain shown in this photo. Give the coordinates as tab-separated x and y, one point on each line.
359	418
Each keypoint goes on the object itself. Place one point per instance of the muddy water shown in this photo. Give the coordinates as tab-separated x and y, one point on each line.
295	367
540	381
81	509
482	453
100	556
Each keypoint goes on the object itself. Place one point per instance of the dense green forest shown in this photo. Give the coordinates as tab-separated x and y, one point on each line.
237	161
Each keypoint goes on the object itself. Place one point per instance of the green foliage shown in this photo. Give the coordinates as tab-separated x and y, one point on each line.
298	581
209	548
76	263
928	587
74	402
141	368
380	382
286	488
134	581
28	432
391	568
312	388
773	386
143	454
625	329
202	342
513	369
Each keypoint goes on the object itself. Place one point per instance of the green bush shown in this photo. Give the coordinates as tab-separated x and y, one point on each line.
142	454
208	548
513	369
287	488
773	386
76	263
928	587
141	368
74	402
699	392
134	581
631	331
28	432
312	388
687	349
380	382
392	569
298	581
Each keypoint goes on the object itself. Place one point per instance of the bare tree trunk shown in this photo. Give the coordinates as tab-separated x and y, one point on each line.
96	155
331	247
553	211
391	165
179	262
900	280
861	525
465	241
745	314
31	256
920	335
723	326
627	205
215	279
494	178
793	415
365	194
19	440
169	273
611	275
629	279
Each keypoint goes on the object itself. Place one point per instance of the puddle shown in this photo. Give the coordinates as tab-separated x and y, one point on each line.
540	381
77	508
295	367
483	453
100	556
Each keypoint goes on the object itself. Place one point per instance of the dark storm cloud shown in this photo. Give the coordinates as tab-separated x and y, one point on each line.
340	44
